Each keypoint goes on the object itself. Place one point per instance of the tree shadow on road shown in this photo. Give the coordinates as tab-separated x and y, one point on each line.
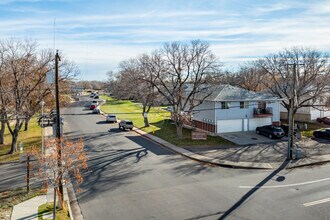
253	190
109	170
149	145
184	166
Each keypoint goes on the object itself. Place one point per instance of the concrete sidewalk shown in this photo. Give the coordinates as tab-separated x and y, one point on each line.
260	156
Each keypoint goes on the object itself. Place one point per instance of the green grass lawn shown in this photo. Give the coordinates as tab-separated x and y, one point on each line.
61	214
9	198
29	138
160	124
311	127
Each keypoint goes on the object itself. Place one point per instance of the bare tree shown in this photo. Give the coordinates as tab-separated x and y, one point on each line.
250	76
23	80
180	72
312	71
137	82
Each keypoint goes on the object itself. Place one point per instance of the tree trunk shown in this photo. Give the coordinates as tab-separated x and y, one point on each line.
2	129
146	122
14	141
26	124
14	134
179	132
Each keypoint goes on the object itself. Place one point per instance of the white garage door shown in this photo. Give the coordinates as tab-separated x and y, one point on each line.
224	126
256	122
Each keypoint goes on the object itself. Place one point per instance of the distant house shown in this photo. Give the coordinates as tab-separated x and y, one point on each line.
320	108
232	109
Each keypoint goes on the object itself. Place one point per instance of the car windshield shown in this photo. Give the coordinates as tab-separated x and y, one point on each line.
129	123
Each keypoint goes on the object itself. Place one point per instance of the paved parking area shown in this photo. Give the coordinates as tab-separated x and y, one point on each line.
249	138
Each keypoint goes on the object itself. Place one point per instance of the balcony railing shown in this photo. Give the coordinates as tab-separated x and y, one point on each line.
266	112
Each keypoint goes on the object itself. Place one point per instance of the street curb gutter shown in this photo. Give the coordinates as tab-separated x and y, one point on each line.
319	160
201	158
66	198
75	211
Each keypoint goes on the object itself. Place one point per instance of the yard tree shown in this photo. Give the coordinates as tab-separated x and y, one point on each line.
74	162
5	96
180	72
312	74
249	76
23	82
135	82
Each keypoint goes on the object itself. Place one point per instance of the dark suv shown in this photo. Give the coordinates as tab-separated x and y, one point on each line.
270	131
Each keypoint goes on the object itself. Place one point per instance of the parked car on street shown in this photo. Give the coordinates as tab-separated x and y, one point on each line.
324	120
92	107
324	133
96	111
111	118
54	120
125	124
270	131
95	102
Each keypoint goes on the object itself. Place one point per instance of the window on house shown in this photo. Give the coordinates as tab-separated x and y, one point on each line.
243	104
261	105
225	105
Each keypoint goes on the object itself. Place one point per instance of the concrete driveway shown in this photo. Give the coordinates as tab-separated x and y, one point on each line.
248	138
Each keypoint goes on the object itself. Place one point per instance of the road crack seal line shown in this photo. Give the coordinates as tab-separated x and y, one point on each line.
282	186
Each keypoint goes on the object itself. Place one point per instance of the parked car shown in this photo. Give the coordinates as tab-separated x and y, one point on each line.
324	120
111	118
92	107
96	97
270	131
54	120
96	111
324	133
95	102
125	124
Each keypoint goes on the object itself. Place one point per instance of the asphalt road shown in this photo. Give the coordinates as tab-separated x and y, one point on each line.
133	178
130	177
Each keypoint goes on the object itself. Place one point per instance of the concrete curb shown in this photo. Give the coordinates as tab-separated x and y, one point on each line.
75	211
204	159
225	163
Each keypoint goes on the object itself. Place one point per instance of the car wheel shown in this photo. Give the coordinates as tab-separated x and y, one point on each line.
316	135
258	132
270	136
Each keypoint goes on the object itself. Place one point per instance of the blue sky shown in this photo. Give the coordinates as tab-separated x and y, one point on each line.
97	35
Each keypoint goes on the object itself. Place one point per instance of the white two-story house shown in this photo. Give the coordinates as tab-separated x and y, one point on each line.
232	109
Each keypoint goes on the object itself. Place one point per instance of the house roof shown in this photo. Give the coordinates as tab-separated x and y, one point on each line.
231	93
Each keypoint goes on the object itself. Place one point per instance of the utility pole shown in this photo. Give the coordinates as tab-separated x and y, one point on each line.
291	115
58	127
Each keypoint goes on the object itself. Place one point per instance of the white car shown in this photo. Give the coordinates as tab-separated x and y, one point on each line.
95	102
111	118
126	124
